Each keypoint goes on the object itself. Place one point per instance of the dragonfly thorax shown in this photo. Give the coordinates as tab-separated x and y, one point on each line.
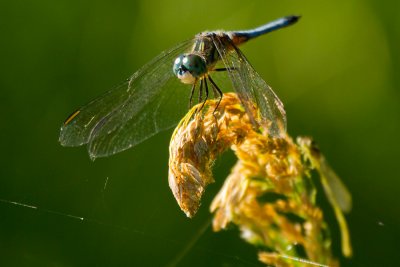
189	68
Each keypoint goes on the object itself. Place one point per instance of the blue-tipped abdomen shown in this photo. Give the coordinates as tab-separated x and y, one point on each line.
243	36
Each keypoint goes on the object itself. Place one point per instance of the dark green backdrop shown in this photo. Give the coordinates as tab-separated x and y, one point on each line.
337	71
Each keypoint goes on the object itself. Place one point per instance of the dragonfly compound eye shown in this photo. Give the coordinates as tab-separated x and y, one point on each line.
189	67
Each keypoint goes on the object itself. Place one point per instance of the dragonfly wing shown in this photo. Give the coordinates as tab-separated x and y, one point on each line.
151	100
252	89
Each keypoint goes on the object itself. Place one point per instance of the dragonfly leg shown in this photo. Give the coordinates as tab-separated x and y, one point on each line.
215	87
191	94
201	91
215	92
205	99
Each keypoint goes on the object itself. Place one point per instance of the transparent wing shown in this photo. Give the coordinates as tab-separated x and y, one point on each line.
335	191
251	88
334	188
338	196
151	100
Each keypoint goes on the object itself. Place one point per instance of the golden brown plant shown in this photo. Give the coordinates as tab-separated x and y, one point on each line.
269	194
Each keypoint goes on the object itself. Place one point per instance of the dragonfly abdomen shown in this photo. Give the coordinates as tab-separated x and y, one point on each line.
239	37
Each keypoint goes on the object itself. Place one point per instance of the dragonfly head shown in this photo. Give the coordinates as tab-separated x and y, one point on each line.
189	67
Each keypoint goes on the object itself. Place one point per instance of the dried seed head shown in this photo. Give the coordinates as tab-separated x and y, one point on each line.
199	138
269	194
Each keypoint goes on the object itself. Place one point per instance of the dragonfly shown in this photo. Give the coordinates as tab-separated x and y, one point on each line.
156	96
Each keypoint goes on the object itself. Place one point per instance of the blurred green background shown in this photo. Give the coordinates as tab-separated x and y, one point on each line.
337	71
